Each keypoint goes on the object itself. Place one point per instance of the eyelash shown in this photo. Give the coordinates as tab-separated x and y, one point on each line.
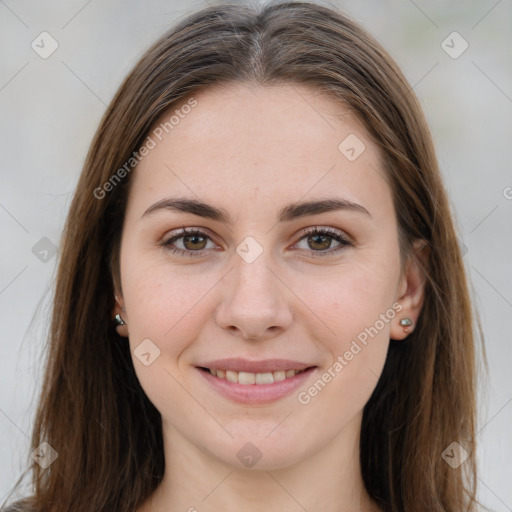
330	233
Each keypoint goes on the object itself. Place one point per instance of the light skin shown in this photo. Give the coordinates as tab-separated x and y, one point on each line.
252	150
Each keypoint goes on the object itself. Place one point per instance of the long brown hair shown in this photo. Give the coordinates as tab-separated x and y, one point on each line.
92	409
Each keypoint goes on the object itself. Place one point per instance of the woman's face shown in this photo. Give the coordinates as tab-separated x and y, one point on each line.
257	294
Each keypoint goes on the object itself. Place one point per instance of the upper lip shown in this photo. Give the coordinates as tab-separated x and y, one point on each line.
263	366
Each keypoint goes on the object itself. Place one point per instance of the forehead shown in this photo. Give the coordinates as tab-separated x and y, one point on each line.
241	141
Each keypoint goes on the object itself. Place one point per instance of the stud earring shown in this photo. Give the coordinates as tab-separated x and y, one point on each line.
119	320
406	324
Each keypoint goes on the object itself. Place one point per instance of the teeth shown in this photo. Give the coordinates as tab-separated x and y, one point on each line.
264	378
254	378
231	376
246	378
279	376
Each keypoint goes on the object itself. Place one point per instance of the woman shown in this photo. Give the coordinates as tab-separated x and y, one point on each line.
260	303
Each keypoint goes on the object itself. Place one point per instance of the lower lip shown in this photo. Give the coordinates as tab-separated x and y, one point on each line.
256	393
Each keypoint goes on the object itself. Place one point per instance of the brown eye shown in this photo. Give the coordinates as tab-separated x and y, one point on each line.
188	242
194	242
320	241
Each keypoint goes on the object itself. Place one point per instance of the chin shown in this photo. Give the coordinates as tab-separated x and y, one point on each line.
261	454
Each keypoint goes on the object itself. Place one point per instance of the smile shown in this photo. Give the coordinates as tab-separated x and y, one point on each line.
255	382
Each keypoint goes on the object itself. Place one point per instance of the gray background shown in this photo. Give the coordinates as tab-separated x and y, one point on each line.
50	108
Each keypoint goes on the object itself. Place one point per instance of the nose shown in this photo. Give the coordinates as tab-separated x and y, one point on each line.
254	304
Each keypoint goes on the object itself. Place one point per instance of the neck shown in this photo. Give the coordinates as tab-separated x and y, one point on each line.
328	480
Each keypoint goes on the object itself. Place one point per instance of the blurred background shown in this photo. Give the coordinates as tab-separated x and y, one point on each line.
61	63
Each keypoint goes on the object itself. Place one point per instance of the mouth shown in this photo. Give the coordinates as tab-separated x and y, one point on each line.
260	382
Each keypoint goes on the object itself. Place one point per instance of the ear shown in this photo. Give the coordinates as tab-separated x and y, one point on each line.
411	290
119	309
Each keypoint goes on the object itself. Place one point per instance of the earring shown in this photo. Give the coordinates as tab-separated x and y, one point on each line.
119	320
406	324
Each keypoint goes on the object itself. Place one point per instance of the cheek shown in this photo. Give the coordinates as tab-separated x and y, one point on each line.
164	307
358	309
163	301
355	305
351	298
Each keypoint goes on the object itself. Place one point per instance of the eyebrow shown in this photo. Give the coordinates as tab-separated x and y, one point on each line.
289	212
